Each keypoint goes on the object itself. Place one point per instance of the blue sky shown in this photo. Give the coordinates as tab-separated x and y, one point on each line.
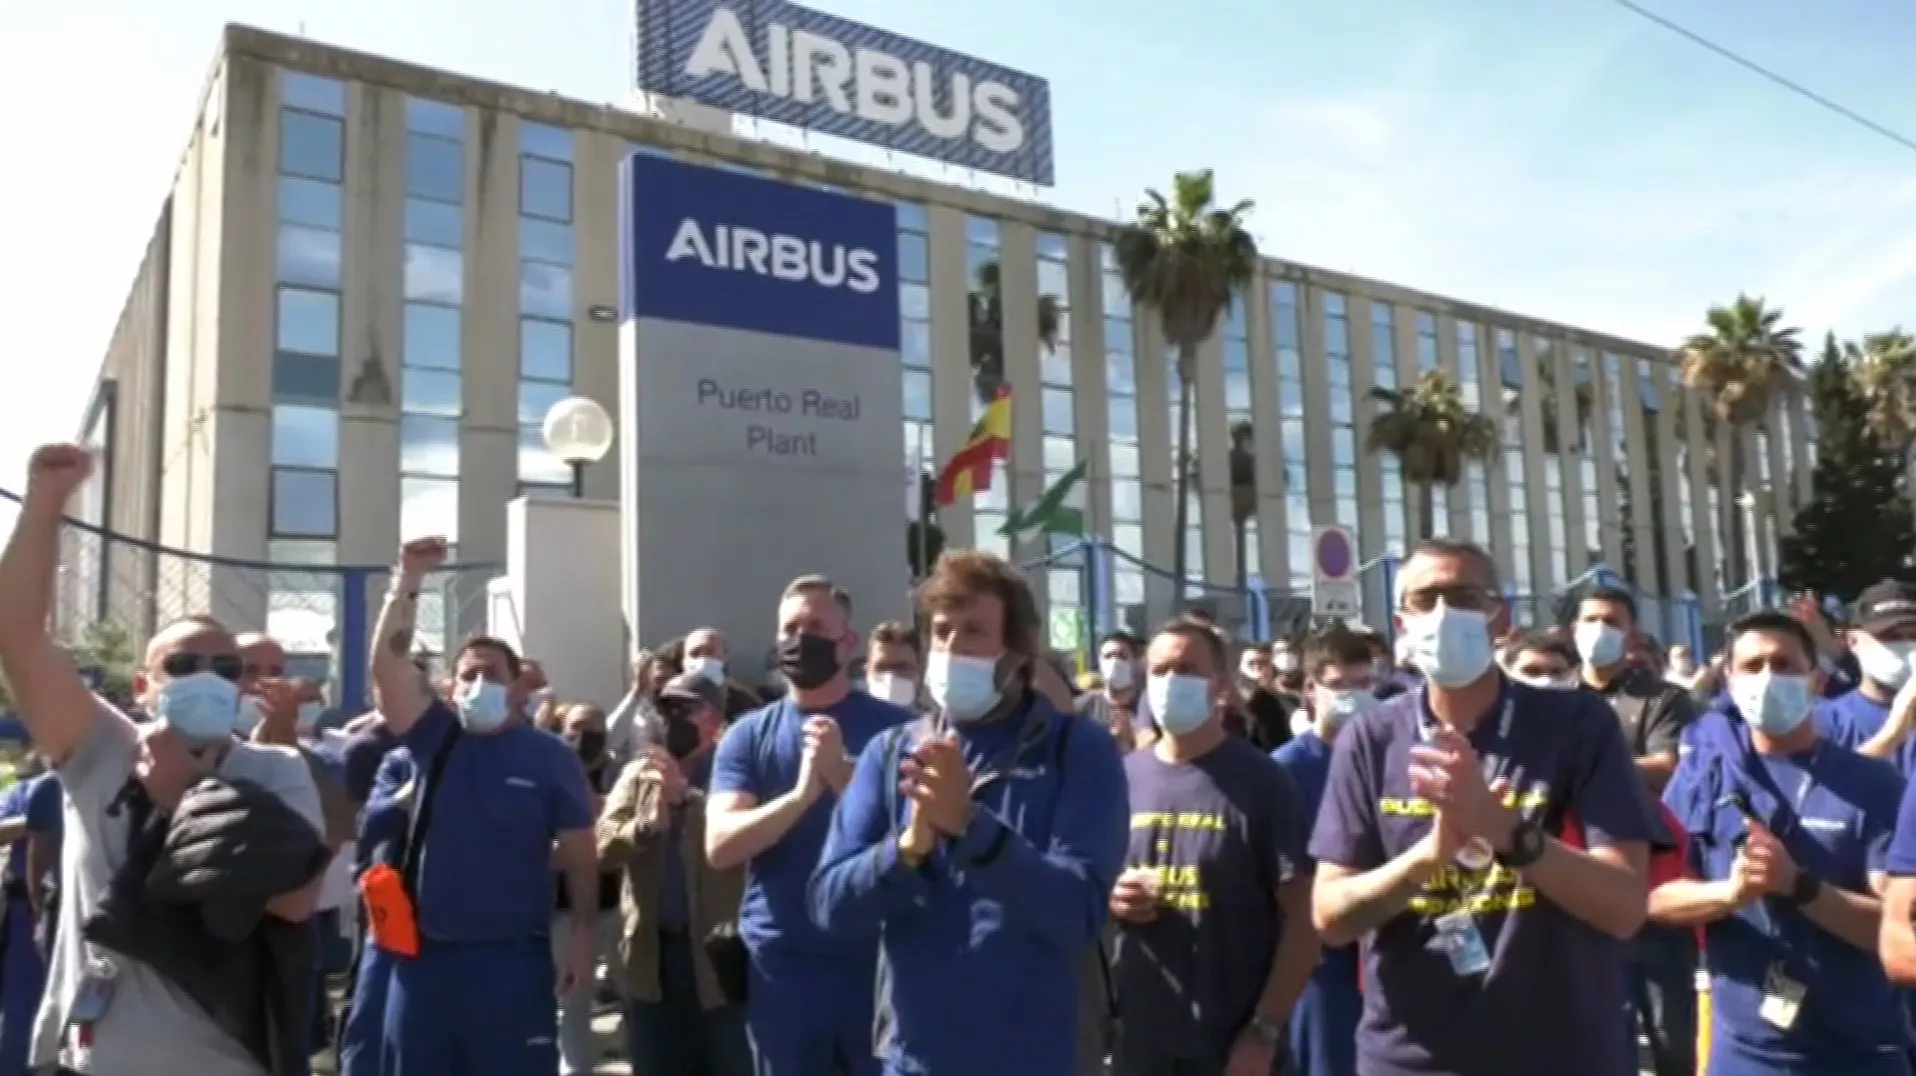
1566	160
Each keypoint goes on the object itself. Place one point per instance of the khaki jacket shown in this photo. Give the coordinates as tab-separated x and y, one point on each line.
634	837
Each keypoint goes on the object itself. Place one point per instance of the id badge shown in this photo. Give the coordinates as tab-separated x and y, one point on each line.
1462	943
91	1000
1782	1000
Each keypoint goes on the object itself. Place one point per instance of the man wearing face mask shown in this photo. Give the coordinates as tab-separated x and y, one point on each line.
892	664
104	1015
682	969
1883	643
473	980
1114	705
775	777
1341	681
1539	660
1790	838
1493	944
1214	941
707	654
984	840
1653	714
1272	716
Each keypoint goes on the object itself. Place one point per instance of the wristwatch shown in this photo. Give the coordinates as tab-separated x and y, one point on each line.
1806	888
1526	845
1266	1030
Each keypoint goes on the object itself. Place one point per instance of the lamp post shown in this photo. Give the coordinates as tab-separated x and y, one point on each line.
1746	500
578	431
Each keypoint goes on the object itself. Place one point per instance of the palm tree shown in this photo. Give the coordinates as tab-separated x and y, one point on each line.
1184	258
1884	365
1433	434
1583	399
1243	465
986	313
1737	366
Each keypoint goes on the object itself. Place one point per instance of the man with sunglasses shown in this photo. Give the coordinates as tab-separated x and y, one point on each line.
104	1014
1491	946
466	912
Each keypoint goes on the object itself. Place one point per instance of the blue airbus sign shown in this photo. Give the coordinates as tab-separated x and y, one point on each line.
790	64
720	248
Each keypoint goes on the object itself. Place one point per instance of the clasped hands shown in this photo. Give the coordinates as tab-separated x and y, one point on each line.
1762	866
1448	774
936	784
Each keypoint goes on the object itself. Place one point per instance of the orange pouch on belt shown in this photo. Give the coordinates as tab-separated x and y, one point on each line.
391	920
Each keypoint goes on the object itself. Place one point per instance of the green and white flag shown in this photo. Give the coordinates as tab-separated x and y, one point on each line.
1049	514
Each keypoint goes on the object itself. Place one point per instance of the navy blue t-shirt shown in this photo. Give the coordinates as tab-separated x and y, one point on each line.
1324	1025
1223	830
1555	985
485	871
361	757
1833	809
759	755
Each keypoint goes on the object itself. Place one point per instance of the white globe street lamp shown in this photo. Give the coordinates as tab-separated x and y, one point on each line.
578	431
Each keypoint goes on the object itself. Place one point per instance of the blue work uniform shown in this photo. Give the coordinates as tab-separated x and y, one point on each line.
1788	996
478	999
382	828
23	966
1324	1024
830	1031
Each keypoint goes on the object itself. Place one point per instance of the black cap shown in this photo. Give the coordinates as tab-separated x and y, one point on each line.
693	687
1886	606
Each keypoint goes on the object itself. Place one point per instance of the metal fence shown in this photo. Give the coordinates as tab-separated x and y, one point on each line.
322	613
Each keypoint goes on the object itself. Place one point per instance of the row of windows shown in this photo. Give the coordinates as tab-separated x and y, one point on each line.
546	253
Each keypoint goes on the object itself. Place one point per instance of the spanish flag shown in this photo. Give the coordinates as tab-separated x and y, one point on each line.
969	469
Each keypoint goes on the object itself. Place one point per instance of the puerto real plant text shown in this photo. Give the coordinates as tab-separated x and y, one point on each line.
773	430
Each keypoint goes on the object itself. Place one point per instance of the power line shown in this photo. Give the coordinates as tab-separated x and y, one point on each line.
1758	69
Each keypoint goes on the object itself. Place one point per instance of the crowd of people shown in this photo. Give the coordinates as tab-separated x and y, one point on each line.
921	850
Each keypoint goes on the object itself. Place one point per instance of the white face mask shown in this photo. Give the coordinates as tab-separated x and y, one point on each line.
251	712
897	690
1284	663
1546	683
1885	663
1181	704
965	688
713	669
203	707
309	715
1451	647
1117	672
1342	704
1774	703
1600	644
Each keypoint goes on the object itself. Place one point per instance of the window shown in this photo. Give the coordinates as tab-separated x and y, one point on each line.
1476	475
311	93
311	146
305	436
1059	397
1121	416
914	354
981	272
1390	470
434	223
309	321
308	256
432	382
309	202
1285	331
547	249
304	503
429	337
1337	373
435	168
1241	440
1515	478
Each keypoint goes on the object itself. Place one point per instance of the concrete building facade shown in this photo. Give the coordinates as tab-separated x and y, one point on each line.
372	279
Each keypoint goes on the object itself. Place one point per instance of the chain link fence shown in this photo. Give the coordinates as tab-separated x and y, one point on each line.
127	588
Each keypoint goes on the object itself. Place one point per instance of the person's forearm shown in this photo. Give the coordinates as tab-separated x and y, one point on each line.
1297	953
1883	745
735	837
1896	942
1655	769
1609	896
1346	908
12	829
27	571
396	688
1857	918
1691	902
582	889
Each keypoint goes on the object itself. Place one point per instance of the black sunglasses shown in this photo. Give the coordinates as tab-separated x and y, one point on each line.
180	665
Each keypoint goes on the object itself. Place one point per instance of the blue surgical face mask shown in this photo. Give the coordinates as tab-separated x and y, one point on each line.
965	688
309	715
1885	663
203	707
1181	704
1775	704
1600	644
1348	703
1451	647
482	705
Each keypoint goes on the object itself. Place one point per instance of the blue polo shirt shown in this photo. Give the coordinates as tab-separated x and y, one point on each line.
485	872
1833	809
759	756
1324	1025
361	757
38	800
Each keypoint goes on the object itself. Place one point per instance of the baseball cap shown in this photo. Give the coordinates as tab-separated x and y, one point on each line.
693	687
1886	606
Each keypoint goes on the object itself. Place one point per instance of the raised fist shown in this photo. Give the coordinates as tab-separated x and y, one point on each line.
422	555
55	471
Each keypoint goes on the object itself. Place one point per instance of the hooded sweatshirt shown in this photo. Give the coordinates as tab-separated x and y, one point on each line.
996	923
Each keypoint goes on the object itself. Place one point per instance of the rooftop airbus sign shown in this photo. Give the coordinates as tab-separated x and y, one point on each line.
789	64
